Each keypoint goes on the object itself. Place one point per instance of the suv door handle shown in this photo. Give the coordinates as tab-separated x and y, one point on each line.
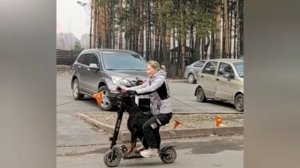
217	79
202	76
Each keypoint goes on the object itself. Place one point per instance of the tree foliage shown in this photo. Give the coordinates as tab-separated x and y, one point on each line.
173	32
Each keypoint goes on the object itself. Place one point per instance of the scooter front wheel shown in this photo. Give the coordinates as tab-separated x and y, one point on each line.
112	158
169	155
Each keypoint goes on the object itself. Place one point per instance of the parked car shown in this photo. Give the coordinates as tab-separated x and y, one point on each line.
192	70
97	70
222	79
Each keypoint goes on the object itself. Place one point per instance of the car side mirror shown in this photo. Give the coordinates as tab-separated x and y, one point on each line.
207	69
228	75
93	66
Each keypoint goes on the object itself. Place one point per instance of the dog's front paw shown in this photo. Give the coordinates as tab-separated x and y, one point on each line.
130	150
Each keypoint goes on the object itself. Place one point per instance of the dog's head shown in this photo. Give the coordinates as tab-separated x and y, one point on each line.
132	109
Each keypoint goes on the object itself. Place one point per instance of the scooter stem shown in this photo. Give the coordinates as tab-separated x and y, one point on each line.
117	128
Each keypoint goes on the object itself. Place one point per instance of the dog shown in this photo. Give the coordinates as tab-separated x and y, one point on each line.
136	119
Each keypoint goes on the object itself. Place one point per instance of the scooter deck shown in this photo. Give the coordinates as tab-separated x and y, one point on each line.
133	156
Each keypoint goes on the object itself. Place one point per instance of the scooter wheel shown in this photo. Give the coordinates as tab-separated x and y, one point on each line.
170	156
112	158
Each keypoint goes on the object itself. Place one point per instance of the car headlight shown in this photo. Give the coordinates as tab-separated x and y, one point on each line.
116	80
120	81
126	82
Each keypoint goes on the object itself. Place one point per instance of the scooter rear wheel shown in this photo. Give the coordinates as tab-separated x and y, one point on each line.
112	158
169	156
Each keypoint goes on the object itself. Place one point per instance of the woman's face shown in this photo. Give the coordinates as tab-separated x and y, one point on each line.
150	71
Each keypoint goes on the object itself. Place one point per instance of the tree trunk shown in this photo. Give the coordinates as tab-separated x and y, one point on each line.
162	27
102	29
97	23
226	30
167	51
157	32
191	45
212	48
218	29
183	39
206	46
110	22
94	5
173	54
120	27
202	40
127	38
197	55
136	24
231	28
237	31
141	32
148	32
241	29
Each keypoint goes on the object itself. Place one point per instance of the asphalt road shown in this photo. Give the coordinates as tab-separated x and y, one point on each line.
185	158
206	152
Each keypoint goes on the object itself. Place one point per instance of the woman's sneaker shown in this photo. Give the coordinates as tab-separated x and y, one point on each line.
149	153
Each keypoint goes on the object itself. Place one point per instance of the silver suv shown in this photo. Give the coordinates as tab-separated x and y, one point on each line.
97	70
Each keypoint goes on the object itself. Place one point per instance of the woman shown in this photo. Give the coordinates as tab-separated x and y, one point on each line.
160	105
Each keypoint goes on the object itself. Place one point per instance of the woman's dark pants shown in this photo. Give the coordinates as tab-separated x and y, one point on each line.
151	129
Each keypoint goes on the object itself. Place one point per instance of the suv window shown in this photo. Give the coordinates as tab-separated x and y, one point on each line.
123	61
80	59
86	59
94	59
225	68
210	68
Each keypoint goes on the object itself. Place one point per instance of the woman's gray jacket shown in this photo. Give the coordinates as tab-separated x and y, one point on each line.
158	91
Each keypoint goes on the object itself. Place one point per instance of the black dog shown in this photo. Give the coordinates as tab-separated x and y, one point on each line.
136	119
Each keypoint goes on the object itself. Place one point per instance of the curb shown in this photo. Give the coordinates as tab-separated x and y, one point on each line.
90	120
124	135
81	150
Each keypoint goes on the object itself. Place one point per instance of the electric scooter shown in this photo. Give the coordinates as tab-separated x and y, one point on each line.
117	152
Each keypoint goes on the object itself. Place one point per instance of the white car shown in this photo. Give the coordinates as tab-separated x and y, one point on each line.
222	79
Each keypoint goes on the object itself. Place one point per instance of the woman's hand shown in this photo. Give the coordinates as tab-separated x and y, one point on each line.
131	92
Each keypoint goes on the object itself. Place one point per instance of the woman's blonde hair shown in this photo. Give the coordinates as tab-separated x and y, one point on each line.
156	65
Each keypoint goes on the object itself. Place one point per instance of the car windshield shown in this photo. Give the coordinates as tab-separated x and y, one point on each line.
123	61
239	68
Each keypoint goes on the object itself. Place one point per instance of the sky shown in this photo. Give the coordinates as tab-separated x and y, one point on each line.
71	17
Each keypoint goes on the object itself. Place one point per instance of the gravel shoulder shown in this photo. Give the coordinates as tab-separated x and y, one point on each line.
187	120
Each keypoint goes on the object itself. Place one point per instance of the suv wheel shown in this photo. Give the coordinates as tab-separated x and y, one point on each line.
239	102
106	104
75	89
200	95
191	78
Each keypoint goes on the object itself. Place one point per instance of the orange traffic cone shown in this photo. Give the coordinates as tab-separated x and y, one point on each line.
99	97
218	120
176	124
